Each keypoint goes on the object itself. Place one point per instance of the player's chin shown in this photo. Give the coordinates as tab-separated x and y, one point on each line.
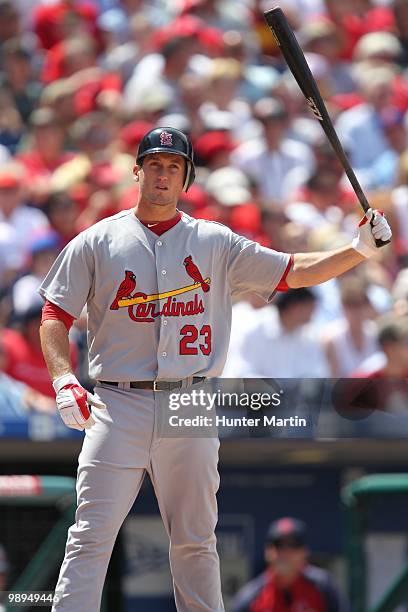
161	198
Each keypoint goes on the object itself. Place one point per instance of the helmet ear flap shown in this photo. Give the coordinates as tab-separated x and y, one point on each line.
187	179
190	176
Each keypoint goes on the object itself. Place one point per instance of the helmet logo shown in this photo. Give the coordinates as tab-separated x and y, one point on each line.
166	139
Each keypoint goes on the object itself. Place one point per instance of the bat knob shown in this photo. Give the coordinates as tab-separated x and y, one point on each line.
380	243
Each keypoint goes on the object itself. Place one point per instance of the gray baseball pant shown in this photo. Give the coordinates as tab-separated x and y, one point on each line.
117	451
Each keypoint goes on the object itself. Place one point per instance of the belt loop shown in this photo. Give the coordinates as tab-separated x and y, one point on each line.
124	385
187	382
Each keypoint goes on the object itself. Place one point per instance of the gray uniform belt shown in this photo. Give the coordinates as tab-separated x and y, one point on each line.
157	385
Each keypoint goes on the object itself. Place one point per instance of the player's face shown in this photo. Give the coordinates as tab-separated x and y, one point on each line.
286	559
162	178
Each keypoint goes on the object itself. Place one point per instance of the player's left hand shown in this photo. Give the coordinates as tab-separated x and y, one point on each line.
373	226
73	402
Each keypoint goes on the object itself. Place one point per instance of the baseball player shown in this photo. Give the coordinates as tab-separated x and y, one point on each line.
290	582
158	285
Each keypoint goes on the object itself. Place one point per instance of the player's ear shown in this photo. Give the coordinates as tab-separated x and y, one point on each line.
136	170
270	554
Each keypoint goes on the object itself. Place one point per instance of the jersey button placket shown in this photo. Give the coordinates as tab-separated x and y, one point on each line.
162	285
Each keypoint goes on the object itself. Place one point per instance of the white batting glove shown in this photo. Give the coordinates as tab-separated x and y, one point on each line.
73	400
364	242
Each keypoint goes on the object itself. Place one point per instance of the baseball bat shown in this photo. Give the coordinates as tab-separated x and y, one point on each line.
295	59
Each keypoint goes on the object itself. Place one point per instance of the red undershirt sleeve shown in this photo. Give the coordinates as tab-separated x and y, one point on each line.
282	285
52	312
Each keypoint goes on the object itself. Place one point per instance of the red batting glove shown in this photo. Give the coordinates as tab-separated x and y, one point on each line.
73	402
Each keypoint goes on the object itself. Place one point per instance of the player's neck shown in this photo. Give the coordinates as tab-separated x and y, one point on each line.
145	211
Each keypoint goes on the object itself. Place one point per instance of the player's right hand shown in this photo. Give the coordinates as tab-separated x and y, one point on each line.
72	402
373	226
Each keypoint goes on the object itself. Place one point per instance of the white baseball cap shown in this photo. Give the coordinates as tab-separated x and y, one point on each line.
229	186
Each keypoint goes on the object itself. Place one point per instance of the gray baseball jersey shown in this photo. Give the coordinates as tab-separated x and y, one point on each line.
159	306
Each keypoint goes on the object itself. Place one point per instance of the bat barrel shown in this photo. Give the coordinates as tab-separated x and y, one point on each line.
295	59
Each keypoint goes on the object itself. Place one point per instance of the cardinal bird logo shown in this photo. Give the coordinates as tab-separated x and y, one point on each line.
193	271
126	288
166	139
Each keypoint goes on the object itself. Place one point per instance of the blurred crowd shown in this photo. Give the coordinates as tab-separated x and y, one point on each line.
81	81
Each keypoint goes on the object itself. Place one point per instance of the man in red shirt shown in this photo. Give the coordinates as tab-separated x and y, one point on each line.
393	339
289	584
24	360
46	152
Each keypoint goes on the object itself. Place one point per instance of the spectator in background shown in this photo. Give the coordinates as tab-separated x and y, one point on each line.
224	79
16	398
269	161
383	384
125	54
18	77
378	49
325	162
384	172
399	201
164	69
355	18
352	339
281	344
320	35
44	154
214	149
53	22
228	187
94	171
59	96
24	360
11	125
392	337
62	213
289	582
41	254
9	23
245	315
223	16
17	221
273	223
69	57
10	258
256	80
131	134
192	95
400	293
319	207
361	124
